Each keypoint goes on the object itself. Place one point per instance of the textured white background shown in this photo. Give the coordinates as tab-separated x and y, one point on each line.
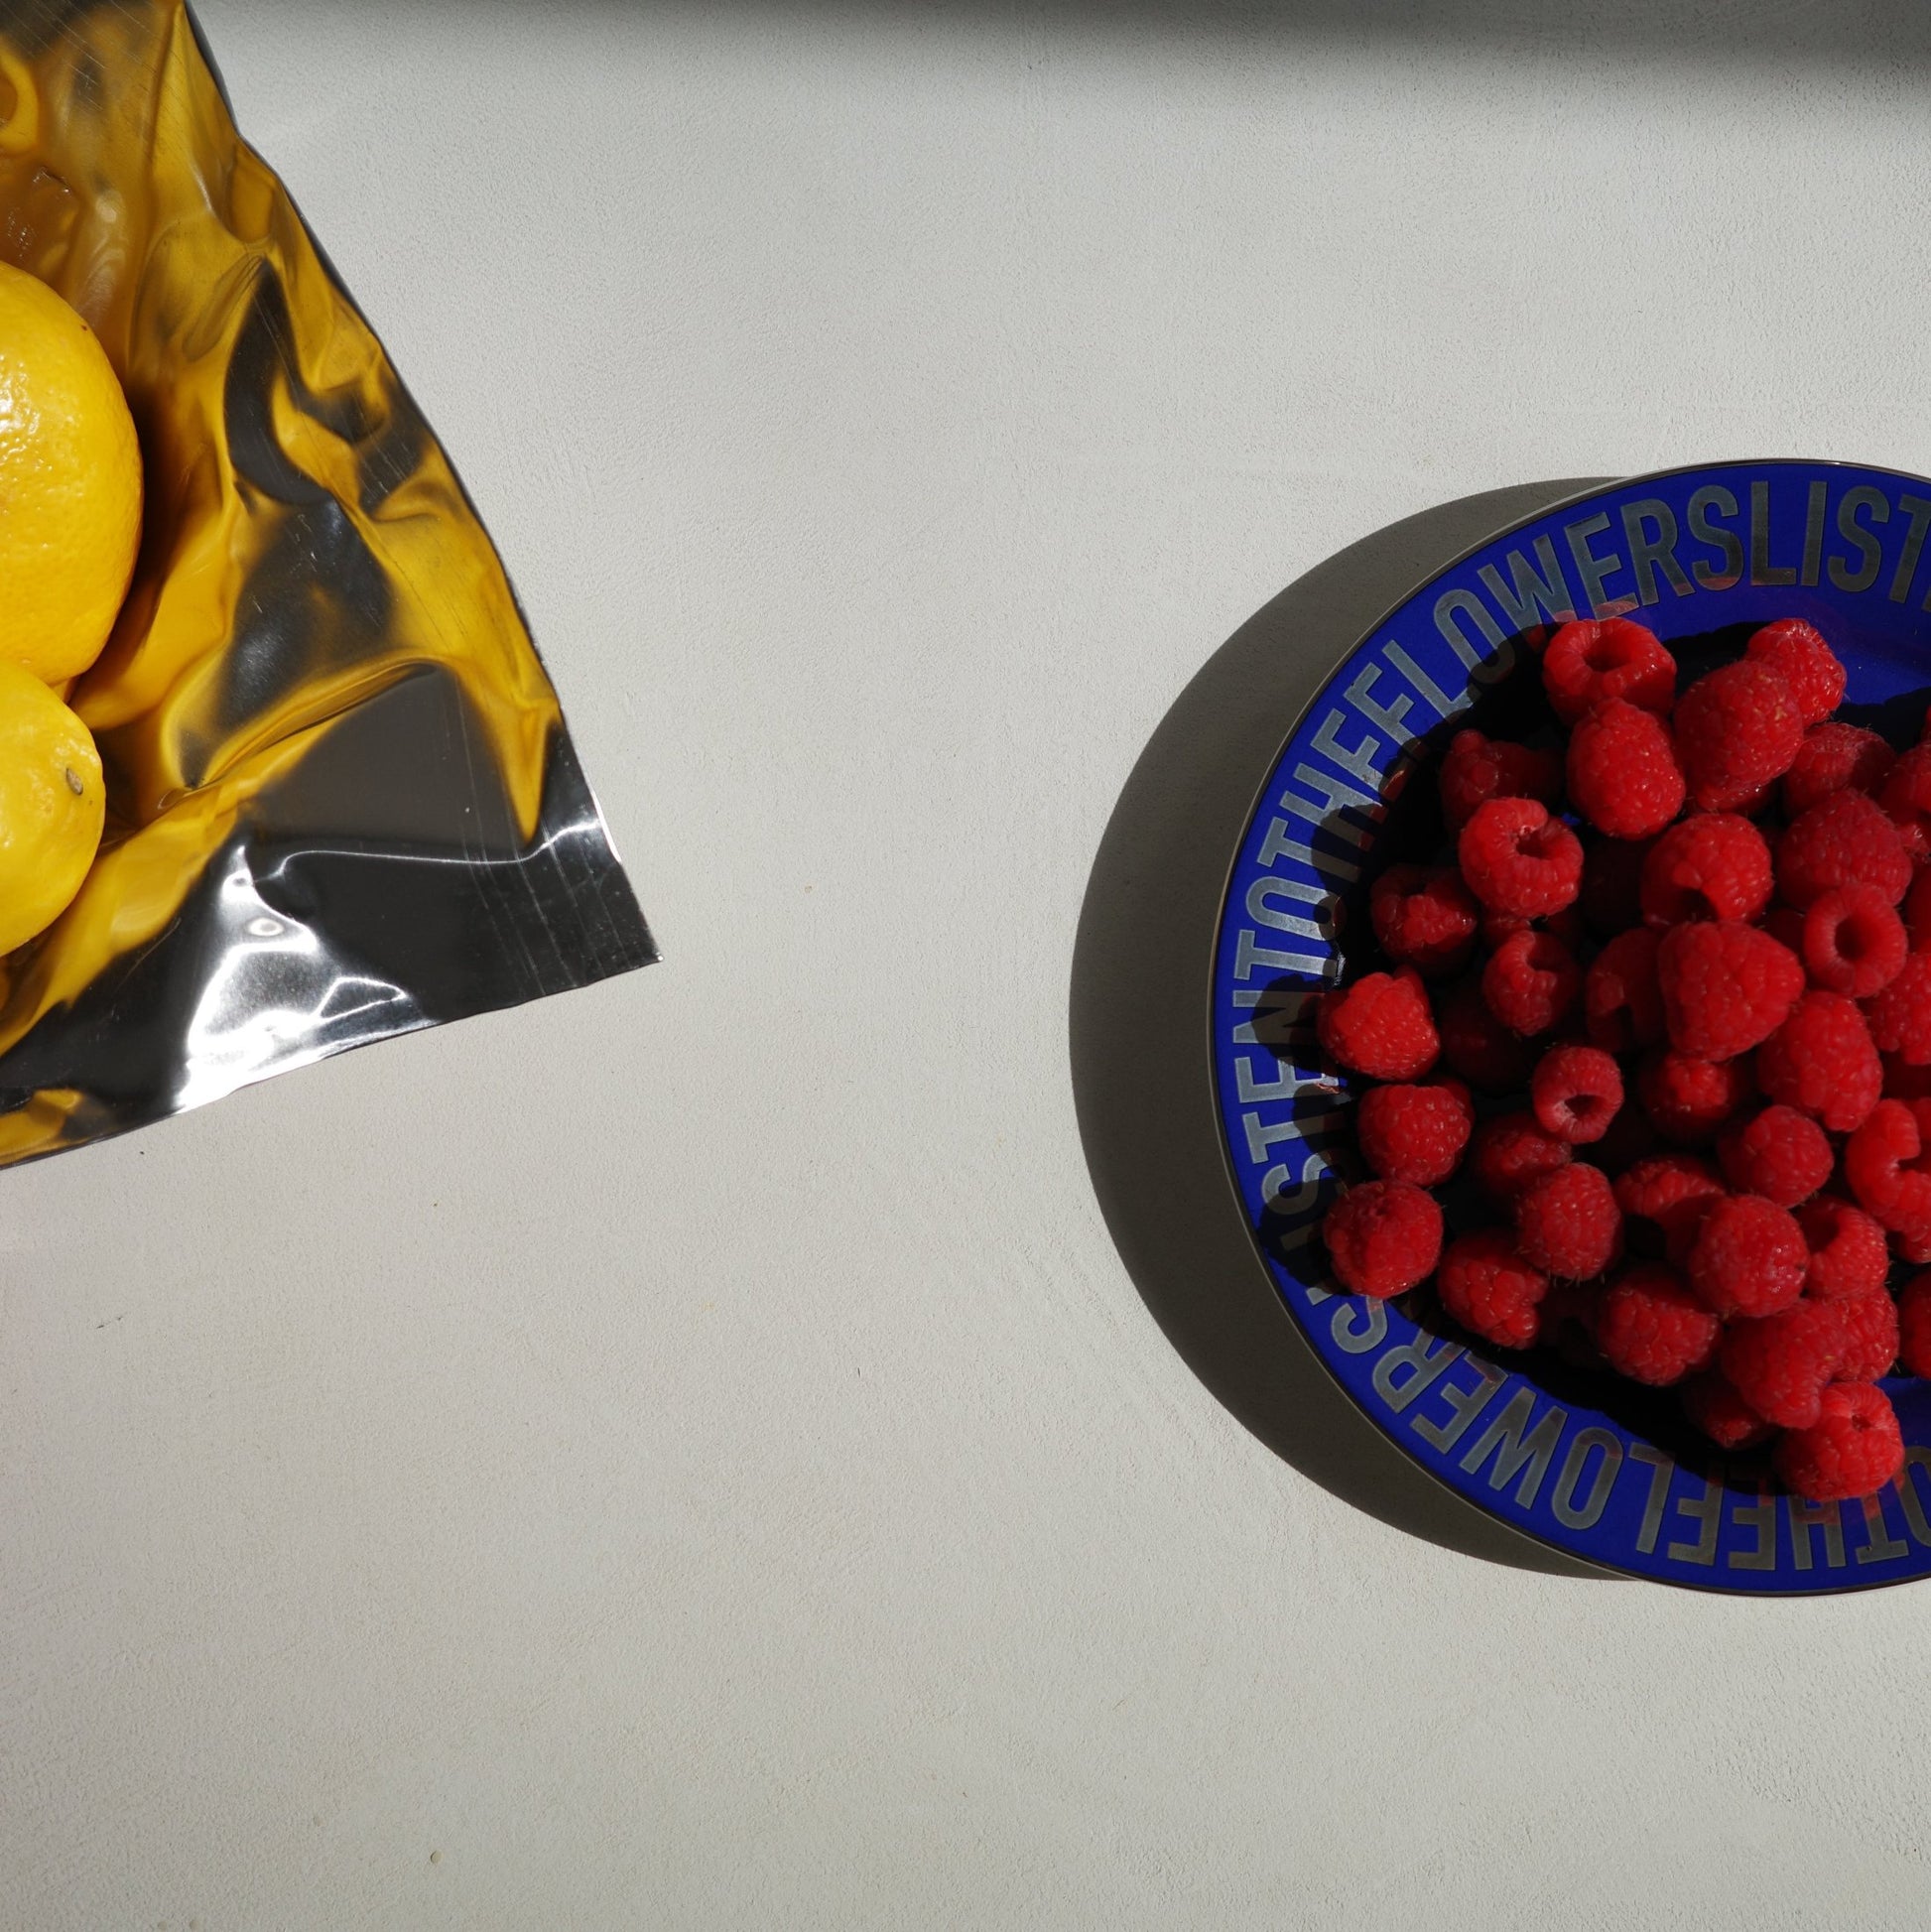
686	1455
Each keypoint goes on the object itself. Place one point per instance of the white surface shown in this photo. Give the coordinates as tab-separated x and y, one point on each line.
686	1455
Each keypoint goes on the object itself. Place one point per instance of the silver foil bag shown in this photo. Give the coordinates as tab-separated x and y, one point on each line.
342	803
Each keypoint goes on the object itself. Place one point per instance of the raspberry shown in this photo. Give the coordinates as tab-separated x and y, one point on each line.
1519	859
1687	1099
1610	899
1748	1257
1917	912
1575	1092
1843	839
1779	1154
1888	1165
1424	917
1509	1152
1834	758
1532	982
1593	660
1737	729
1475	769
1899	1015
1853	1448
1477	1046
1753	803
1871	1337
1379	1026
1906	796
1414	1133
1725	987
1568	1224
1808	665
1729	958
1853	942
1622	998
1650	1327
1566	924
1914	1324
1782	1364
1382	1237
1663	1200
1821	1062
1722	1414
1489	1289
1848	1255
1712	866
1622	772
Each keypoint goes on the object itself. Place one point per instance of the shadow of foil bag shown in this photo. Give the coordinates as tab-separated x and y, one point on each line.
341	800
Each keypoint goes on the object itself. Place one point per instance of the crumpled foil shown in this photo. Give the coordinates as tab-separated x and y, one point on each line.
341	800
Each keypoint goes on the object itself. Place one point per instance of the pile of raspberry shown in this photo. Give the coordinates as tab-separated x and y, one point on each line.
1664	1019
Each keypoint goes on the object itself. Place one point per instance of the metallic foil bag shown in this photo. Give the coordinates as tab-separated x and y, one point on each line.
341	800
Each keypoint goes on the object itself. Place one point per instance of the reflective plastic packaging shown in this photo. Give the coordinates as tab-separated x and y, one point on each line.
342	803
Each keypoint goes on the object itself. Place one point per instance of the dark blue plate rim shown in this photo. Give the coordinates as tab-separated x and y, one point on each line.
1568	1476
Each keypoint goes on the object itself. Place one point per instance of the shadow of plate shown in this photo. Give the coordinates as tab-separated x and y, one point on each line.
1140	1013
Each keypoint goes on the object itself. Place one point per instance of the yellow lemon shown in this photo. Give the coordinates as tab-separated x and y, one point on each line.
69	484
52	806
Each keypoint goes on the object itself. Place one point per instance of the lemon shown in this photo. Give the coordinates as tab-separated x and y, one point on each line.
69	484
52	806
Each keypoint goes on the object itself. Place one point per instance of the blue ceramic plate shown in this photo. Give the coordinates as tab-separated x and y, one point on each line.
1583	1463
